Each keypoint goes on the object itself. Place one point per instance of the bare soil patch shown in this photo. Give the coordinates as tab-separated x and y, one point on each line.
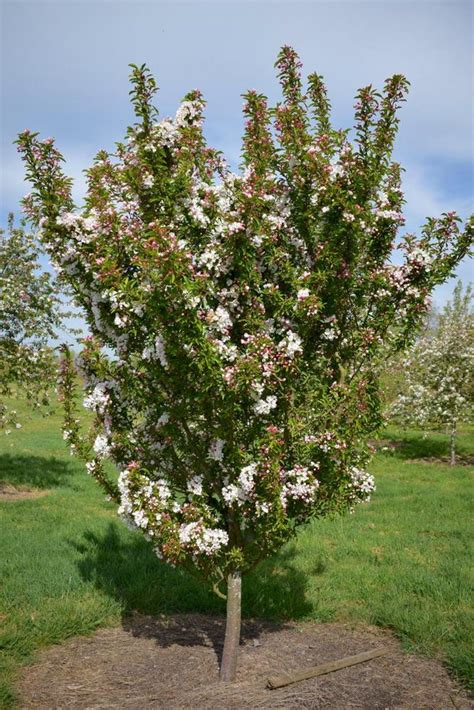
172	662
461	460
391	445
9	492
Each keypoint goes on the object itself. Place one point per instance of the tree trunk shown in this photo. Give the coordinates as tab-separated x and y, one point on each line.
453	444
232	628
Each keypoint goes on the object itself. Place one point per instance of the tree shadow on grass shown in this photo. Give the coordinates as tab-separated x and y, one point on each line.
125	568
414	446
36	471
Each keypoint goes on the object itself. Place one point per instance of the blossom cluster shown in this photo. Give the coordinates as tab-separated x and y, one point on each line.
239	320
438	384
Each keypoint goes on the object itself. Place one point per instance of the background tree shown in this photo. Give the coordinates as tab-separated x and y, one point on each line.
30	314
248	315
438	384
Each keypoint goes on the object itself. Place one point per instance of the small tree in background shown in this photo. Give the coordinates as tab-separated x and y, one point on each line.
438	387
248	315
30	314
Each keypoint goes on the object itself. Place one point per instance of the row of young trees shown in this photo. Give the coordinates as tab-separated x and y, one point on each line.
438	371
240	321
31	315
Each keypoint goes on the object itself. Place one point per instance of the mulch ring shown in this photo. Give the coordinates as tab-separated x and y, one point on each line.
172	662
9	492
461	460
390	445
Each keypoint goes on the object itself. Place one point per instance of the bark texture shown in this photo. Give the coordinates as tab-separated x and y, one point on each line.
232	629
453	444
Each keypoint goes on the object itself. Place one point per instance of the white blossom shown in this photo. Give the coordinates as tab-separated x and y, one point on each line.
101	446
216	449
264	406
98	399
156	351
163	419
194	485
246	477
362	483
232	493
292	344
207	541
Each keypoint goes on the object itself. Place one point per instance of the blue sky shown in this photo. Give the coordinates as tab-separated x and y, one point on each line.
64	72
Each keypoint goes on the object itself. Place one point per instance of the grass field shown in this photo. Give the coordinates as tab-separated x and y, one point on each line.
69	566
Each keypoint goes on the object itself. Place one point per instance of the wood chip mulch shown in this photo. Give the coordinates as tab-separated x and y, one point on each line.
172	662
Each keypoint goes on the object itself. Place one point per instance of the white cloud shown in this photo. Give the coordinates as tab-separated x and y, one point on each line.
427	200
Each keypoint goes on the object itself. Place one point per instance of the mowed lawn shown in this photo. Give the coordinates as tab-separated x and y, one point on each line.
404	562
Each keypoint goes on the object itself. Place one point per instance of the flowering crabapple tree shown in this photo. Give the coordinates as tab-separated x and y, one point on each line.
239	320
438	388
30	314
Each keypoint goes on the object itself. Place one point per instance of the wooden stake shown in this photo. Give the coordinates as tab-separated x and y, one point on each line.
286	679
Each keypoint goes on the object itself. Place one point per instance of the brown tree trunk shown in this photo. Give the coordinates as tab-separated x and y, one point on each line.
453	444
232	628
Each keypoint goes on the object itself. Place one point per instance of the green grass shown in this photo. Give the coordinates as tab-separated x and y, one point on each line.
69	566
